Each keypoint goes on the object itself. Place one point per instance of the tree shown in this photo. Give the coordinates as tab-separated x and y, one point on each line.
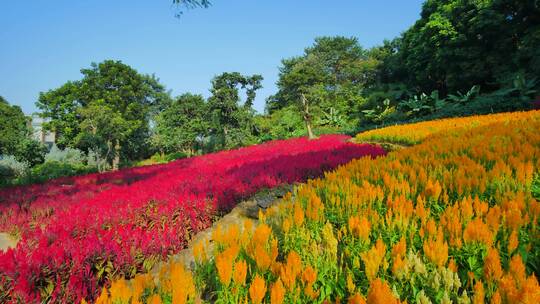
13	127
131	98
181	125
102	129
15	136
457	44
232	122
329	77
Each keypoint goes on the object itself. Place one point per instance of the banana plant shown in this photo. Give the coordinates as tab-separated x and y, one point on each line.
461	98
332	118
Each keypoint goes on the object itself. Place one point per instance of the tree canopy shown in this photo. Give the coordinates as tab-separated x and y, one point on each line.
182	124
111	106
13	127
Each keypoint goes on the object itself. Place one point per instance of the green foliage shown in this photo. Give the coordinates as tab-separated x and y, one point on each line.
11	170
281	124
535	187
13	127
457	44
331	75
30	151
108	110
232	123
55	169
182	125
15	135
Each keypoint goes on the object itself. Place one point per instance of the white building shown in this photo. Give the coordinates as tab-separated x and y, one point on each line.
44	137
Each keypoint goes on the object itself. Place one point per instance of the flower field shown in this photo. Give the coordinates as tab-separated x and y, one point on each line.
76	234
417	132
450	220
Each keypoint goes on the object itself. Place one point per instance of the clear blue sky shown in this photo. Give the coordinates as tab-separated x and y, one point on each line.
43	44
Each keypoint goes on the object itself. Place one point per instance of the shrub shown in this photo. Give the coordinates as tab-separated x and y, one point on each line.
11	169
54	169
68	155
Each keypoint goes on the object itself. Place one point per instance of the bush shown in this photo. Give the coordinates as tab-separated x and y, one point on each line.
11	169
68	155
55	169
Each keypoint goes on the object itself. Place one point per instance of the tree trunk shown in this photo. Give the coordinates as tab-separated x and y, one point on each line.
116	160
225	131
307	117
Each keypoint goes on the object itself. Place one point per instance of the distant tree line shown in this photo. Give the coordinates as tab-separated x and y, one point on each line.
461	57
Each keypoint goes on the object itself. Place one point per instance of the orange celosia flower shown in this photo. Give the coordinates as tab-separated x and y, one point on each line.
356	299
492	266
120	291
140	283
291	270
517	269
380	293
261	234
315	208
262	258
479	295
277	293
373	258
436	250
513	241
298	214
257	290
224	264
478	231
309	276
359	227
154	299
240	271
496	298
399	266
103	297
452	265
400	248
183	287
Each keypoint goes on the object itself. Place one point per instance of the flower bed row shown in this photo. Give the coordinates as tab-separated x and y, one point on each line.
417	132
451	220
78	233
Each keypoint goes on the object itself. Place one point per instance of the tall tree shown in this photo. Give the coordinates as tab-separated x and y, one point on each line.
231	121
182	124
122	92
13	127
460	43
16	135
328	78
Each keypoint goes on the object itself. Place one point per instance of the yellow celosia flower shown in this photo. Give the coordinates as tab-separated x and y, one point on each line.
373	258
